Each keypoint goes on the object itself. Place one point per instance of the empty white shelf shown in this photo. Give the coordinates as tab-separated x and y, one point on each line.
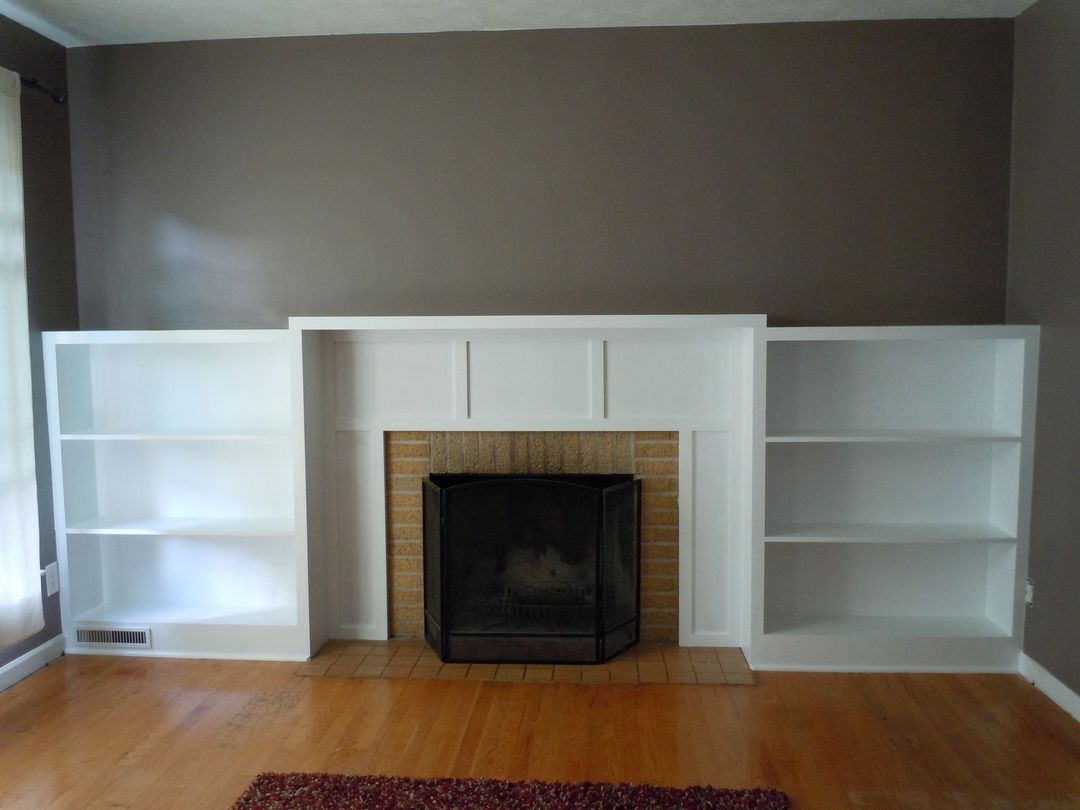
184	526
174	455
172	437
886	626
125	613
886	533
895	473
795	436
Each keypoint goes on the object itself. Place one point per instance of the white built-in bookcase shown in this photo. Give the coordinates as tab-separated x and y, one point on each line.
850	498
897	474
172	458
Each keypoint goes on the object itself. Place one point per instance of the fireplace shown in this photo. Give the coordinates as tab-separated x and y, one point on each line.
531	567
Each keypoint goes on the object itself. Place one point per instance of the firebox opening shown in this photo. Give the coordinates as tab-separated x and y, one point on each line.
531	568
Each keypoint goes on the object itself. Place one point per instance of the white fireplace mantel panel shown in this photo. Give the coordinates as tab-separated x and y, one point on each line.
690	374
666	379
524	378
357	581
709	593
392	379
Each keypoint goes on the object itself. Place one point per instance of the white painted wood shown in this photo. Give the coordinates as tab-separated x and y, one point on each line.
925	483
921	386
853	473
808	583
173	437
664	379
687	635
753	568
535	422
505	393
327	499
203	337
172	458
944	626
1052	687
1000	605
517	379
887	533
138	481
393	379
1004	487
742	526
949	655
779	334
158	612
204	579
185	525
461	380
173	387
53	386
174	637
28	663
598	379
1008	404
1024	480
714	596
889	436
359	562
310	401
469	323
896	498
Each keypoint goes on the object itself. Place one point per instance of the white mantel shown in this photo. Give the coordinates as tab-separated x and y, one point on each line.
689	373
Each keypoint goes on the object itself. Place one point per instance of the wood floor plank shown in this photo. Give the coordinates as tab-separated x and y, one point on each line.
91	732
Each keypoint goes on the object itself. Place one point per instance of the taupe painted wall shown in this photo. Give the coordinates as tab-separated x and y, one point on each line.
821	173
1044	288
50	255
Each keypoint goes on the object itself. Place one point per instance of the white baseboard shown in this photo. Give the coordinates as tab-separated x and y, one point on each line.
1050	686
914	669
26	665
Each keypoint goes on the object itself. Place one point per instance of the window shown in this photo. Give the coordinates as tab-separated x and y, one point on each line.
20	584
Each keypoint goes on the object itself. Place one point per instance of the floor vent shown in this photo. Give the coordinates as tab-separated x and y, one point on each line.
113	636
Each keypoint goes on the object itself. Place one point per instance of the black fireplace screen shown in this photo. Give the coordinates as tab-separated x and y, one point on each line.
531	567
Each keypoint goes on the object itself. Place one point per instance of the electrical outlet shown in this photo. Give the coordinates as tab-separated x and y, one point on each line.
1029	592
52	578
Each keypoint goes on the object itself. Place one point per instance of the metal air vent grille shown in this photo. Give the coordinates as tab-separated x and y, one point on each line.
102	636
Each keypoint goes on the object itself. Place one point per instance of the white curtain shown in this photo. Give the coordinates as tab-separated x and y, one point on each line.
20	583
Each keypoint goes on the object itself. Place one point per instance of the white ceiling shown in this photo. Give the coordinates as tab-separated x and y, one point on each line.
100	22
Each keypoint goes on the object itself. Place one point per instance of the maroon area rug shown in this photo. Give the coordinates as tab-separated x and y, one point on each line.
320	791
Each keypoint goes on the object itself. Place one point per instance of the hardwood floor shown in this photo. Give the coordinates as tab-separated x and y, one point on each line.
99	732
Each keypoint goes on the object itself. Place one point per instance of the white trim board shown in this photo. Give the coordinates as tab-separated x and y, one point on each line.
515	322
1050	686
27	664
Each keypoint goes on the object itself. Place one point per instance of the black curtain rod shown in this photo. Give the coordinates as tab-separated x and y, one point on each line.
57	94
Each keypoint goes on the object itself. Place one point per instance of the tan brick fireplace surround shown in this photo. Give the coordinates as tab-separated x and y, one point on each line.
651	456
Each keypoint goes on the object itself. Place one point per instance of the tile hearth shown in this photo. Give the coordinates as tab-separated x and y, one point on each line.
644	664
